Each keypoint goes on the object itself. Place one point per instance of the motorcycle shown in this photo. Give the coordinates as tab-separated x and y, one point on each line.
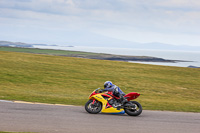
108	103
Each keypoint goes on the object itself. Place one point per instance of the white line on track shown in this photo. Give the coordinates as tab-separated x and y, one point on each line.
6	101
33	103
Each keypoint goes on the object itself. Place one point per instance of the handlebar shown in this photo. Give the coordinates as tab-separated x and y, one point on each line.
97	89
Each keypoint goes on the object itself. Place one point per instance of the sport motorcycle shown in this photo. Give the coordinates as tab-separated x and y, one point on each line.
108	103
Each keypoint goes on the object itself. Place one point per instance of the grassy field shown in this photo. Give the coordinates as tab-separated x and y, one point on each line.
69	80
14	132
45	51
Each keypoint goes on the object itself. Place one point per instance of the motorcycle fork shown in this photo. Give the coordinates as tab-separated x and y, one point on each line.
93	101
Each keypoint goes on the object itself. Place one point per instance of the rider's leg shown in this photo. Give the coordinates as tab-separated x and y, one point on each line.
122	99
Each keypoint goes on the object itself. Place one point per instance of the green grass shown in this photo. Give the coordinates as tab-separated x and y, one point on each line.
69	80
14	132
45	51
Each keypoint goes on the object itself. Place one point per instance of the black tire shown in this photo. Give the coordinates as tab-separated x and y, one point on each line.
134	109
93	108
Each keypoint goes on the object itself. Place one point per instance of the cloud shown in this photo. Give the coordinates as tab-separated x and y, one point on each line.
114	18
181	4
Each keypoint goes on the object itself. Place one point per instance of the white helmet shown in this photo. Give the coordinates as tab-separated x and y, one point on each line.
108	84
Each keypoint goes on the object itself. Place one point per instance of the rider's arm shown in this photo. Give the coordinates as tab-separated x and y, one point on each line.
109	89
106	89
120	91
102	91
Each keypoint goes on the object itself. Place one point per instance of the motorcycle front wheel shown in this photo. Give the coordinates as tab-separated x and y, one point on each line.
133	108
93	108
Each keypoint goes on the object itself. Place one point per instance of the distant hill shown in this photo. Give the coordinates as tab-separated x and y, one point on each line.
14	44
88	55
96	42
18	44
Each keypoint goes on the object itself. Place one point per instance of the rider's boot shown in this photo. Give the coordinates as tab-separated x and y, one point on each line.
122	99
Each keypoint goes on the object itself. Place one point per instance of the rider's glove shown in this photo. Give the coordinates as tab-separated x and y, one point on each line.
100	91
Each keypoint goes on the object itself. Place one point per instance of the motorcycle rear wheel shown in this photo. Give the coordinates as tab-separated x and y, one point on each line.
93	108
134	110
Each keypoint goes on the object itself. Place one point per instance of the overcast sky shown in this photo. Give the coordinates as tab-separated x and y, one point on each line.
62	21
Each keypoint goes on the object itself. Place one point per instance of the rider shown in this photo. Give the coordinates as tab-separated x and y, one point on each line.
109	86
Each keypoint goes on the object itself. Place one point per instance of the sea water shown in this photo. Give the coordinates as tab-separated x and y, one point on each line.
191	58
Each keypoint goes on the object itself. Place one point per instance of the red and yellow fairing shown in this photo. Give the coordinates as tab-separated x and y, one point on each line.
106	107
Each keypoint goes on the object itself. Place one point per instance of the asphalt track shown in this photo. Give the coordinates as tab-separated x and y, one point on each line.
24	117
